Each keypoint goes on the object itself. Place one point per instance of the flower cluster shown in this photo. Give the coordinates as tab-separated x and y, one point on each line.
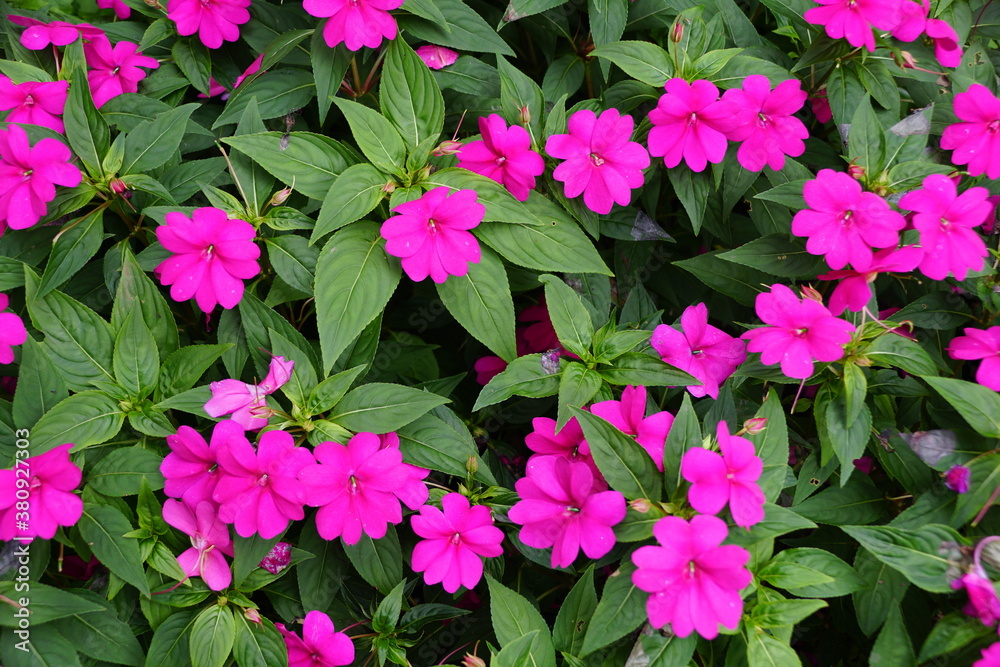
36	496
29	175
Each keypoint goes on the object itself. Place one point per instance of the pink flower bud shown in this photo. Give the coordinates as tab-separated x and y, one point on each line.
389	187
118	186
525	114
906	60
278	558
640	505
252	615
677	33
755	425
809	292
856	171
280	197
447	147
473	661
957	479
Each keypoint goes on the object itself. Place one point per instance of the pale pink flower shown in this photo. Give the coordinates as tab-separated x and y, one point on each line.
800	331
983	600
843	222
437	57
707	353
319	646
216	88
980	344
278	558
215	21
568	443
52	477
12	332
726	478
247	402
976	140
431	234
629	416
122	10
29	176
853	20
946	222
39	35
191	468
694	584
957	479
990	657
115	70
600	159
356	23
690	123
504	154
259	491
455	537
854	291
34	102
358	488
210	542
213	255
559	509
765	122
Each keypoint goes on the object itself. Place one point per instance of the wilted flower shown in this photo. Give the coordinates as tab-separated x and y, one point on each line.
437	57
278	558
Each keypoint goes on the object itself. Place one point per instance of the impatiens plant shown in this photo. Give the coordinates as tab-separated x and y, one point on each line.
604	333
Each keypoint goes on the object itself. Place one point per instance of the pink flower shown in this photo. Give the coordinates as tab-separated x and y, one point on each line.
320	646
278	558
454	539
842	222
600	159
247	402
504	154
213	255
216	88
431	235
947	50
983	600
980	344
438	57
358	488
991	657
976	141
694	583
559	509
946	222
854	291
191	468
33	102
957	479
709	354
801	331
820	105
356	23
854	19
259	491
115	70
12	332
567	443
210	542
122	10
690	123
51	479
28	176
765	122
730	477
39	34
628	416
912	21
488	368
540	336
215	21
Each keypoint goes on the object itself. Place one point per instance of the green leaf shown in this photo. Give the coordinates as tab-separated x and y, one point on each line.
294	260
355	194
866	139
514	617
764	650
84	419
684	434
555	246
429	442
281	46
621	610
860	501
72	249
278	92
847	439
778	255
39	385
640	60
379	562
102	636
152	143
978	405
845	92
103	527
500	204
137	293
893	646
638	368
375	135
329	66
913	552
136	362
574	615
254	183
984	479
121	472
258	644
834	576
310	163
525	376
952	633
386	616
193	60
184	367
772	446
607	22
882	587
471	76
86	130
381	408
320	577
409	95
670	651
249	552
577	387
569	316
171	641
354	280
47	604
624	463
212	636
784	612
519	94
464	29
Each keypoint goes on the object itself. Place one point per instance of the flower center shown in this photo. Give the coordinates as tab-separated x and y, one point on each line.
27	173
353	487
29	101
432	226
945	224
208	251
500	160
799	333
456	538
262	480
692	571
596	160
199	542
692	119
763	119
697	352
993	127
845	218
34	485
569	511
116	70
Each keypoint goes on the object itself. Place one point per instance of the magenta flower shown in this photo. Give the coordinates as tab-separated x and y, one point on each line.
844	223
540	335
976	141
694	584
912	20
629	416
690	123
765	122
454	539
980	344
356	23
947	50
983	600
358	488
567	443
854	291
990	657
39	35
559	509
52	477
191	468
210	542
820	105
946	222
259	491
28	176
278	558
438	57
215	21
34	102
800	331
122	10
115	70
853	20
709	354
488	368
430	235
216	88
247	402
600	159
319	646
730	477
957	479
504	154
12	332
213	255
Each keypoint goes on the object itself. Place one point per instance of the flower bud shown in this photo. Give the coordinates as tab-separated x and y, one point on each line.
473	661
525	114
809	292
252	615
389	187
118	186
447	147
755	425
472	465
640	505
856	171
906	60
280	197
677	33
957	479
